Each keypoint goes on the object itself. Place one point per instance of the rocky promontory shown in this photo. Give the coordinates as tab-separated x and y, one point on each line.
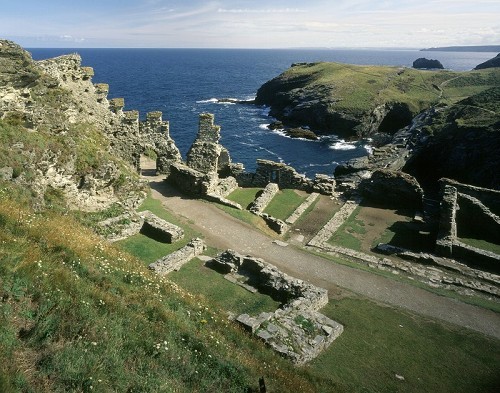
491	63
355	101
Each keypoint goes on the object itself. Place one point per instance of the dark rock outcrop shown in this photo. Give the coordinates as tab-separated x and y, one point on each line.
427	64
491	63
462	143
392	189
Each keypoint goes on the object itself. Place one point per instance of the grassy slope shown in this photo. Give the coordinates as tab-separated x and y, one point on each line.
77	314
360	88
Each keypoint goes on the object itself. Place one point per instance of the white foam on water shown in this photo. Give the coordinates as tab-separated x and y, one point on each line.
342	145
209	101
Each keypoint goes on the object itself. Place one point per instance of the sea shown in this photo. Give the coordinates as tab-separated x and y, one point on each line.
182	83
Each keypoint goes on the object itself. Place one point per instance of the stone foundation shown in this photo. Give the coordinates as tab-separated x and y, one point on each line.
471	211
178	258
284	176
296	330
160	230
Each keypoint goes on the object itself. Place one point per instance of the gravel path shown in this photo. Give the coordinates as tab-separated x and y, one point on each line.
223	231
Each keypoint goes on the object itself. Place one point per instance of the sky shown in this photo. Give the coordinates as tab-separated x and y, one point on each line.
250	24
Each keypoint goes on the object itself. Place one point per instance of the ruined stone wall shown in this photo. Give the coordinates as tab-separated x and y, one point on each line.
285	176
463	213
474	219
177	259
489	197
188	180
207	130
282	330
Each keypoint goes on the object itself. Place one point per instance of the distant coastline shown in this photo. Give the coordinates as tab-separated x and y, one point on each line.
476	48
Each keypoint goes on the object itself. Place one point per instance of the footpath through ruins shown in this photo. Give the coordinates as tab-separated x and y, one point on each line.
222	231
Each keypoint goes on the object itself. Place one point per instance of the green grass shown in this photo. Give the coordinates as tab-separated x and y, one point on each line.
196	278
284	204
482	244
379	342
357	89
348	234
78	314
244	196
150	250
405	234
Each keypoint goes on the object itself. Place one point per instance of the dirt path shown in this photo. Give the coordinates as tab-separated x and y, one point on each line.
223	231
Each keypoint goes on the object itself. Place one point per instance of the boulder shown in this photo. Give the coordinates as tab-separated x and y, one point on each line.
427	64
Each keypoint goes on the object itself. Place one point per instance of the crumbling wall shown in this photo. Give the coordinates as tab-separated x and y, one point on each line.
296	330
460	209
284	175
159	229
204	153
177	259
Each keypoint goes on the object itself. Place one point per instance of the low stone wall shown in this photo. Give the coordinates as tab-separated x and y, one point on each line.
264	198
445	274
277	225
131	223
296	330
178	258
160	230
335	222
474	217
465	213
121	227
489	197
302	208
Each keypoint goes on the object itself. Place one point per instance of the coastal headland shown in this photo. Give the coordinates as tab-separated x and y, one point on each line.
124	267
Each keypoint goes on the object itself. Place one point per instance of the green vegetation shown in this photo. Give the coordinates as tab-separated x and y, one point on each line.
219	292
482	244
149	250
244	196
284	204
379	343
361	88
348	234
77	314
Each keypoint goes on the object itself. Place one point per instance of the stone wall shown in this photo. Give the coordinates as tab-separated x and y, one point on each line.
266	196
284	175
461	213
296	330
159	229
188	180
177	259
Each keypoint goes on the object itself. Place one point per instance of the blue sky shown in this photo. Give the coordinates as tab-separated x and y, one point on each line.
250	24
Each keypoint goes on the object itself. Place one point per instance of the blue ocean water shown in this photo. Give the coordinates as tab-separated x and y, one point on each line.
185	82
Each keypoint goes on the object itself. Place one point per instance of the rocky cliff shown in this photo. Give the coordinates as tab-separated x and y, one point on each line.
357	101
60	133
491	63
461	142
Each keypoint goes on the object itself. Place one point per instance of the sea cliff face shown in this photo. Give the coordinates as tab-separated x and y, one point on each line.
358	101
